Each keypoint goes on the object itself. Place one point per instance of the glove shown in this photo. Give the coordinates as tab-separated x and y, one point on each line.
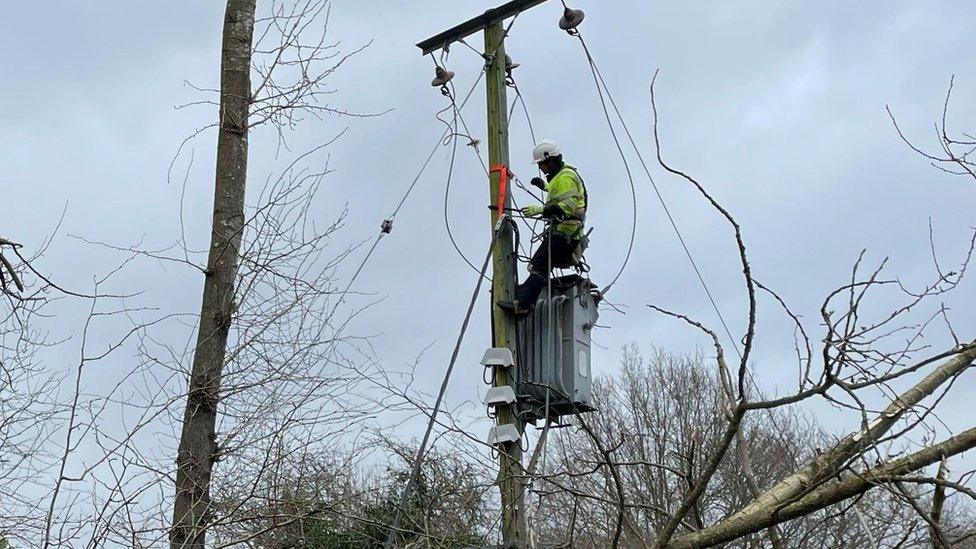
534	210
538	182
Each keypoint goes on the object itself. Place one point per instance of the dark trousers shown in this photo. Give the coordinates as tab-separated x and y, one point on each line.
560	248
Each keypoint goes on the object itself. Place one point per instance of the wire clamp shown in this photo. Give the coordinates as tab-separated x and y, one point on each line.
386	227
489	59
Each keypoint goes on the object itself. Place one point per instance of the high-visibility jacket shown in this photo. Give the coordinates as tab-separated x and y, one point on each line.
566	192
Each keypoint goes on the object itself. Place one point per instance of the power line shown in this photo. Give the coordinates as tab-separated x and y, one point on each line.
660	197
674	225
458	117
387	225
447	192
623	158
418	460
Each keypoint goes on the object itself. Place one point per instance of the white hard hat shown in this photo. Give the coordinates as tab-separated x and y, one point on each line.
544	150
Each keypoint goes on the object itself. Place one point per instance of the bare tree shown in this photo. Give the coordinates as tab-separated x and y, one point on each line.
29	411
260	281
198	443
656	420
955	151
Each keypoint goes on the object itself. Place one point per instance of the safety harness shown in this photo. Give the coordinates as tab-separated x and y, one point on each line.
576	218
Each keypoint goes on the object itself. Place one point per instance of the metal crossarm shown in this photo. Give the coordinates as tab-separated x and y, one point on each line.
475	24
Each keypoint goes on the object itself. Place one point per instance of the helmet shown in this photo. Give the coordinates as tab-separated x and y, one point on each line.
544	150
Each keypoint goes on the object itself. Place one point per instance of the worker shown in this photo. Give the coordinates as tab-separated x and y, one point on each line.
564	212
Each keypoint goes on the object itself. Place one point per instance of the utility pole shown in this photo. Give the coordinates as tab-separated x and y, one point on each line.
510	471
510	479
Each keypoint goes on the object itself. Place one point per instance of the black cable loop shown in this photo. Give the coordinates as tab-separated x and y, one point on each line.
447	194
484	166
474	142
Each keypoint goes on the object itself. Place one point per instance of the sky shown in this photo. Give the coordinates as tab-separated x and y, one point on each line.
777	108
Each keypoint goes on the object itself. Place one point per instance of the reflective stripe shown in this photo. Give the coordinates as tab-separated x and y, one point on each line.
567	194
570	198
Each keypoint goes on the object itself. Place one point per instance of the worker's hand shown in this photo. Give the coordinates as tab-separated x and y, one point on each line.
538	182
534	210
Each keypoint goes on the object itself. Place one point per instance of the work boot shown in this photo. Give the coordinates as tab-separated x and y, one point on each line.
514	308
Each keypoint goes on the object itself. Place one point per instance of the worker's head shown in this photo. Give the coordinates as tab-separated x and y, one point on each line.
547	156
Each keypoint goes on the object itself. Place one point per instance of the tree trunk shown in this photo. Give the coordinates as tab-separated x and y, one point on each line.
792	494
198	449
828	494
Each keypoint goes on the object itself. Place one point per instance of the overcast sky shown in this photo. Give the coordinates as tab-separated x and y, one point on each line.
778	108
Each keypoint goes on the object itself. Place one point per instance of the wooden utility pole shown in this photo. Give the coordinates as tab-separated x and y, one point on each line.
510	479
510	471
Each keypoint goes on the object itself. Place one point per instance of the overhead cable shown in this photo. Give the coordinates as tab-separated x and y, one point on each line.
418	460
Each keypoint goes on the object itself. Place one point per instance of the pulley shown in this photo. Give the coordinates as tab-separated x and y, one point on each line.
441	77
571	19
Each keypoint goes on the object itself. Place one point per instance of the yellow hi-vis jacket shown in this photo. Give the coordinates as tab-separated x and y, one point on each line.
566	191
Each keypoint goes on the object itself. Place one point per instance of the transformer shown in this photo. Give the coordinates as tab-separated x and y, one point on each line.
553	375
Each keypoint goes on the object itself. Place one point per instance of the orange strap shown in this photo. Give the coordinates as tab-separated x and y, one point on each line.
502	185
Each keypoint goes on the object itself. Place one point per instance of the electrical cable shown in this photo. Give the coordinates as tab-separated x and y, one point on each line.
667	211
660	198
447	193
458	117
623	158
418	460
519	99
403	200
488	58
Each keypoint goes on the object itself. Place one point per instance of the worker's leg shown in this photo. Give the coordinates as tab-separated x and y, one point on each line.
556	246
562	251
527	292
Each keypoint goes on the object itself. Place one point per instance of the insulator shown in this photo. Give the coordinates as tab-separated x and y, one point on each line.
441	77
509	64
571	19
